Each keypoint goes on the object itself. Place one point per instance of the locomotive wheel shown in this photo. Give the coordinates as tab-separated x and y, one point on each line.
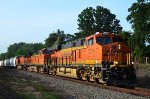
79	74
54	72
41	70
82	74
99	80
38	70
88	78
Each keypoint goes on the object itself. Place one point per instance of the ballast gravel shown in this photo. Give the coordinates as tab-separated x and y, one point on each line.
73	90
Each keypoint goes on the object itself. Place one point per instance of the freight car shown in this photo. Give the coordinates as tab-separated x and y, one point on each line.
11	62
1	63
102	58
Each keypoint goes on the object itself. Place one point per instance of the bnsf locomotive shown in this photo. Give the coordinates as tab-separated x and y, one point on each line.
102	57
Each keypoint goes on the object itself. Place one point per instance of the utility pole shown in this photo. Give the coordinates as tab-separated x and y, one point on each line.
146	60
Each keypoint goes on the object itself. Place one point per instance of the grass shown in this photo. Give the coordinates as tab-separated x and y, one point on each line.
39	87
24	96
38	91
25	88
143	66
44	92
47	95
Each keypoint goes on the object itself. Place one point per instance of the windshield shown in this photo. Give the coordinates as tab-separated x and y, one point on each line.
117	40
103	40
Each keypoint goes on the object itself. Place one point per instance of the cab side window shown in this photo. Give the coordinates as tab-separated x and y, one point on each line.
90	41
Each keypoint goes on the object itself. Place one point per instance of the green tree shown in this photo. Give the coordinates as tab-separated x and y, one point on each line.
146	52
68	38
58	37
51	39
21	49
126	36
86	21
106	21
12	49
100	19
136	46
2	56
79	35
139	17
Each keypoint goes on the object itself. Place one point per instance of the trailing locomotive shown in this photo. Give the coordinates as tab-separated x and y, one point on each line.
102	57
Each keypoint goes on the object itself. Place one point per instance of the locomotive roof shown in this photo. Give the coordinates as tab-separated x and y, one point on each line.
67	45
104	34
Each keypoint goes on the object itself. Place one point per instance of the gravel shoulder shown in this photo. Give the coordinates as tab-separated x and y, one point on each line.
58	88
79	91
16	85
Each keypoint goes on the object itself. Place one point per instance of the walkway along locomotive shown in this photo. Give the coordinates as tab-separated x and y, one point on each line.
102	57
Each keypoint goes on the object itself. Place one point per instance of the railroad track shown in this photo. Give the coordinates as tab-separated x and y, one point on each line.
134	91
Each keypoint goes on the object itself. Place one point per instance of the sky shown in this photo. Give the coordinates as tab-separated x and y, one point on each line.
32	21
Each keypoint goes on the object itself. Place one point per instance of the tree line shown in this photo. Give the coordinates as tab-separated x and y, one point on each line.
21	48
99	19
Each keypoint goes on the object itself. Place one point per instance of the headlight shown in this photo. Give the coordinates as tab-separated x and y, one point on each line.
116	62
119	46
132	62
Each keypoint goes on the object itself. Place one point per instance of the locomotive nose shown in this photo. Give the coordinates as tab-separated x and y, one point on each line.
116	46
118	53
